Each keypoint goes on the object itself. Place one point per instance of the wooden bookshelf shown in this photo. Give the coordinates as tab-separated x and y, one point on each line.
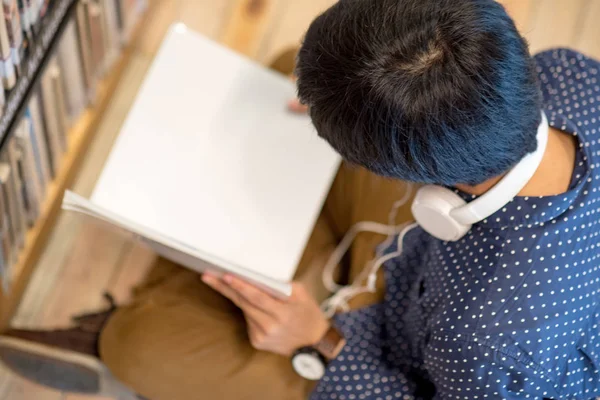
80	137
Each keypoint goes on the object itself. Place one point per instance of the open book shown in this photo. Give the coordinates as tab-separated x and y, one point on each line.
211	170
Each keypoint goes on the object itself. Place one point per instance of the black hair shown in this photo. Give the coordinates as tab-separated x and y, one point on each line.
430	91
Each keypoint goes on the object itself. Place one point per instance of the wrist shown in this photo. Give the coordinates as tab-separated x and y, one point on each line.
318	332
330	343
311	361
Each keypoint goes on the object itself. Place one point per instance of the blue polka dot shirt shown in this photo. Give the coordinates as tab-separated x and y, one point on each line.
512	310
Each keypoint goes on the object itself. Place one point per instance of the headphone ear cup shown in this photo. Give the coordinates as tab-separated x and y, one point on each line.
431	208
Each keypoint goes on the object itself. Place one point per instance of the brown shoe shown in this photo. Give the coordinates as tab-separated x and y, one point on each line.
82	338
65	360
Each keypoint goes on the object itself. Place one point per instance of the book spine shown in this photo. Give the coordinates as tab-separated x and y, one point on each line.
31	9
13	187
5	274
15	35
19	186
9	75
58	96
94	17
111	29
6	257
25	21
38	148
85	45
50	115
32	188
118	4
9	231
43	7
39	133
69	59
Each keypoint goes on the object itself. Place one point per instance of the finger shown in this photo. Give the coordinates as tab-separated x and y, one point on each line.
250	311
255	296
256	335
294	105
254	327
220	286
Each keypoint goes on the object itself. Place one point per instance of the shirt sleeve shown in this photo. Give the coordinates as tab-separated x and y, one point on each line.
361	370
465	369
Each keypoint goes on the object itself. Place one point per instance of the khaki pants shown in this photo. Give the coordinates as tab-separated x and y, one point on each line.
180	340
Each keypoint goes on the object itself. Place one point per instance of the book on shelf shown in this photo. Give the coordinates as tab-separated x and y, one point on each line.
35	147
33	188
9	253
84	41
24	14
38	138
15	34
111	32
210	170
58	97
9	74
14	158
18	226
69	61
95	25
52	122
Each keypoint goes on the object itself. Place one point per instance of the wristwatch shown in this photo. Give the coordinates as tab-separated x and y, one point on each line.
310	362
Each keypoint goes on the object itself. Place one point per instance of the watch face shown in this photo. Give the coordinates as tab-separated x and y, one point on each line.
308	366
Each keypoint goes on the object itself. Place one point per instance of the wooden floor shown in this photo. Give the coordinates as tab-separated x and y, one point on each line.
82	260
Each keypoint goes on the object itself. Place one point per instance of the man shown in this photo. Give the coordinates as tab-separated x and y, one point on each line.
430	91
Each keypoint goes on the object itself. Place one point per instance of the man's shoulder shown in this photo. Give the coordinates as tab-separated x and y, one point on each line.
566	58
567	77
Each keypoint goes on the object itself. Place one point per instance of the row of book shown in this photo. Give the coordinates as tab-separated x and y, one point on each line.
31	157
109	22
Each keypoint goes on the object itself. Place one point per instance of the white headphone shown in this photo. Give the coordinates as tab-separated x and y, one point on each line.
440	212
444	214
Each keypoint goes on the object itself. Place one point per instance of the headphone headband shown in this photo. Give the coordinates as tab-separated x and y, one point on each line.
508	187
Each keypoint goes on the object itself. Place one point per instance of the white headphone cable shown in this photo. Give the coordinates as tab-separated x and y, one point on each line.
342	294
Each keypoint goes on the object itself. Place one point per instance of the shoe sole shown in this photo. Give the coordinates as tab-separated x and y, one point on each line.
60	369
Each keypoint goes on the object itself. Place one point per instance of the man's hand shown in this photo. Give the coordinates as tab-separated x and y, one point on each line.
294	105
275	325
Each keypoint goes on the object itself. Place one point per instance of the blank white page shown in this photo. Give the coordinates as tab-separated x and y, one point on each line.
209	156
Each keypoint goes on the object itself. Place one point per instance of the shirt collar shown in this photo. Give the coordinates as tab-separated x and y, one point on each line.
528	210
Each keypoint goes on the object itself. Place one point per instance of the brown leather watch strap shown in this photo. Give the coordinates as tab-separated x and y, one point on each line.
331	343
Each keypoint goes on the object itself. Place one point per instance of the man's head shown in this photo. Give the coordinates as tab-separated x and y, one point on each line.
430	91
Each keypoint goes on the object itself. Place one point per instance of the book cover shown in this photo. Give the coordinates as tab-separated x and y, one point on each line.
9	74
259	174
85	45
38	138
69	59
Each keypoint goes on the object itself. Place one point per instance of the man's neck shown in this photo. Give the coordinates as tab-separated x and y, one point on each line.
552	177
